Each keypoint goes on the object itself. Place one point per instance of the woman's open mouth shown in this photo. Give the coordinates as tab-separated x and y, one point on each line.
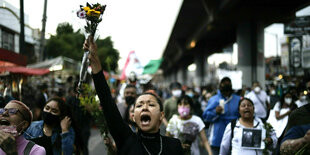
145	119
4	122
247	112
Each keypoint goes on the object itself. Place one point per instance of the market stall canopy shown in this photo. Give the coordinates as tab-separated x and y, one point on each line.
58	63
23	70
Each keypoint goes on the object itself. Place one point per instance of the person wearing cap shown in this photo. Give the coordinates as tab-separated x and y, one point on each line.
15	118
148	115
221	109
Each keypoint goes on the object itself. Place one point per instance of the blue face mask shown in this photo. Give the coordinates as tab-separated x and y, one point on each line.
191	95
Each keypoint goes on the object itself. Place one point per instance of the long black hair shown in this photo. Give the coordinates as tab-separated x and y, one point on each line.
65	110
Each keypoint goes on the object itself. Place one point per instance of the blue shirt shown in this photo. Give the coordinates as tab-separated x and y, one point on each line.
220	121
35	130
296	132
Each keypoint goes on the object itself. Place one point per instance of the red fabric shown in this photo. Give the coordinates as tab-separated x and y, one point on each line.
6	64
24	70
123	75
10	56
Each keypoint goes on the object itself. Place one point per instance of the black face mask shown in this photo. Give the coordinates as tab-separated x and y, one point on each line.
130	100
226	88
50	119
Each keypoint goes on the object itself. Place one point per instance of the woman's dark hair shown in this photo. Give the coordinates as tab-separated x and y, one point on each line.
186	99
292	106
156	97
242	99
61	105
175	85
65	110
126	117
225	79
78	140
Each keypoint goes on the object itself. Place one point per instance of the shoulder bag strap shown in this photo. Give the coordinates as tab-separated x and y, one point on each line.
28	147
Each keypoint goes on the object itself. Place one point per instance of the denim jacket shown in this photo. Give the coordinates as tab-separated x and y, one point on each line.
35	130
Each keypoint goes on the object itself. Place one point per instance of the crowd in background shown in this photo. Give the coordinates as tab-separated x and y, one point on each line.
206	119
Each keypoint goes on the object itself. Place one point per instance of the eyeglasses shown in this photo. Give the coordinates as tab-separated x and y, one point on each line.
11	111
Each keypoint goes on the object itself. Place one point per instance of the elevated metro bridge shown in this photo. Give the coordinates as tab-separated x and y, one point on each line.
204	27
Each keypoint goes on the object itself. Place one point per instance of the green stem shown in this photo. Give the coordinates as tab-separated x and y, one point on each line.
302	150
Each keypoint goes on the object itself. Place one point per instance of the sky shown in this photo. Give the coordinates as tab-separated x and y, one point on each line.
136	25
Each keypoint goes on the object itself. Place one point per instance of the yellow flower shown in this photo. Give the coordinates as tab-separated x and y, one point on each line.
86	8
97	13
92	12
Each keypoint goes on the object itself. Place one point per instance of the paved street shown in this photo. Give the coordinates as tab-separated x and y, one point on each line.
96	145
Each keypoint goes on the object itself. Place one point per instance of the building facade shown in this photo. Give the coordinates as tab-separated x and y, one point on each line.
10	33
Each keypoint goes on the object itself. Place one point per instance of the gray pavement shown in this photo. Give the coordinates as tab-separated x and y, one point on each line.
95	144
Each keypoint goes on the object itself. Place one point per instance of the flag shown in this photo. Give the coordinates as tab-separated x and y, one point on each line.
152	66
132	64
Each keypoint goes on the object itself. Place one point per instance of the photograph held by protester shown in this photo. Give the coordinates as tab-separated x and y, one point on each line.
54	132
148	115
15	118
232	141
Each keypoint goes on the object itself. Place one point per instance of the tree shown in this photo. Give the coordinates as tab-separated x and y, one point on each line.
68	43
107	54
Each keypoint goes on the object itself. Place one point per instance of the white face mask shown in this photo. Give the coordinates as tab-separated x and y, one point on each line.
177	93
288	100
257	89
273	92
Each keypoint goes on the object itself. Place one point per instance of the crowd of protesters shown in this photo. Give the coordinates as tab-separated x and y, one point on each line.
142	119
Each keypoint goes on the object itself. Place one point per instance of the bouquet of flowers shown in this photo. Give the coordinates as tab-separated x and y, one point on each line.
269	129
92	13
90	104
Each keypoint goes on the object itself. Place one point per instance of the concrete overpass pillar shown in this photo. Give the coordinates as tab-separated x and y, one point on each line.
250	39
175	76
182	75
201	64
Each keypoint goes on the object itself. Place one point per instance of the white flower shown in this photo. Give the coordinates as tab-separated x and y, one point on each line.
81	14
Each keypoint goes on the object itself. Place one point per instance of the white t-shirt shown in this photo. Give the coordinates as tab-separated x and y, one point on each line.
300	103
278	125
190	128
260	108
237	140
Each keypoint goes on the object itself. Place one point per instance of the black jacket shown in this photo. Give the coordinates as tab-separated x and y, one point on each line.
128	142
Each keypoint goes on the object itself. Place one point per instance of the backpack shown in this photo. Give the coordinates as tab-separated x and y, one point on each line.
232	126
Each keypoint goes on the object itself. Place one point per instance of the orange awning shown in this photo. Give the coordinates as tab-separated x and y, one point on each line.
24	70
